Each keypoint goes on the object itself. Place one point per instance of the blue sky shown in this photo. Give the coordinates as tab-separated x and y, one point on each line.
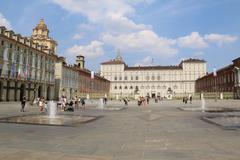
166	31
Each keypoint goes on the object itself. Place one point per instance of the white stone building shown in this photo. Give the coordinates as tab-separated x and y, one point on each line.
153	81
26	67
66	80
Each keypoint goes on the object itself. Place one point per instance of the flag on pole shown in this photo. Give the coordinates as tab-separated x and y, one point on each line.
13	70
19	71
25	71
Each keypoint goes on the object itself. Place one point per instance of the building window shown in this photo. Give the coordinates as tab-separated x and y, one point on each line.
147	78
120	78
120	87
153	78
136	78
158	87
131	87
153	87
2	43
10	45
132	78
125	78
125	87
10	55
148	87
158	78
115	78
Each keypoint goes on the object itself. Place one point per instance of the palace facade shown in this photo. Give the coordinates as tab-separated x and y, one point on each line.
26	67
76	80
226	80
153	81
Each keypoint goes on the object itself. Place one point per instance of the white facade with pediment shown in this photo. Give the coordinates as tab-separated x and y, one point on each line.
153	81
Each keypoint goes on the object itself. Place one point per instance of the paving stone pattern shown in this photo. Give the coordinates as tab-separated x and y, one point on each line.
155	132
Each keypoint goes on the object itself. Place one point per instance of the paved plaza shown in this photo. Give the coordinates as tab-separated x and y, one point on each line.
159	131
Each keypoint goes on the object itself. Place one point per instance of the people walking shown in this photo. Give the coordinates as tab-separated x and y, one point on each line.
125	101
41	104
63	103
76	102
23	103
190	99
83	103
185	100
147	100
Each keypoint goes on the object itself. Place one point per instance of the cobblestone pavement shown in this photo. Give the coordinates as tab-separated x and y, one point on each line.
154	132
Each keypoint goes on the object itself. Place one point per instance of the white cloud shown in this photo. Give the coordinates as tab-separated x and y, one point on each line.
220	39
86	26
111	14
194	40
95	10
147	61
145	41
93	50
4	22
114	19
77	36
140	1
121	24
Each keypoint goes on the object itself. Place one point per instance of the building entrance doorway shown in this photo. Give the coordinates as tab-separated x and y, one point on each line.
40	91
153	95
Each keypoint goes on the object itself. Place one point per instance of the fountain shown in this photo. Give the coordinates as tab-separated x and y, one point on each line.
52	107
49	118
100	104
203	106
